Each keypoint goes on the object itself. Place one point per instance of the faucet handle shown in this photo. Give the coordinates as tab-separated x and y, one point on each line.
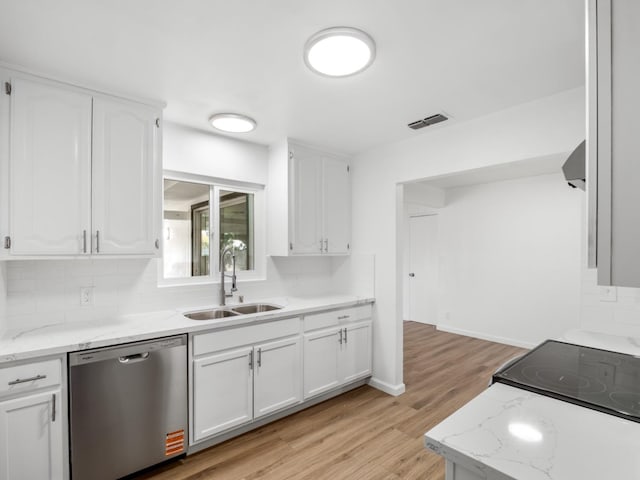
241	298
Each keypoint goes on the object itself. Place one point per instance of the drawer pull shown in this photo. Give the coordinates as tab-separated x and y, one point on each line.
343	317
17	381
53	408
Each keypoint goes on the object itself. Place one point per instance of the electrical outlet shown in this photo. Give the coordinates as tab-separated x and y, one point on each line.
86	296
608	294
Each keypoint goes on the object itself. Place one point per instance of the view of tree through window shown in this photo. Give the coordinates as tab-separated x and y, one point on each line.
236	214
193	230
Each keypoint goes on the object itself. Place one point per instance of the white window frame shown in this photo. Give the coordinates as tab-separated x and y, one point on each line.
259	233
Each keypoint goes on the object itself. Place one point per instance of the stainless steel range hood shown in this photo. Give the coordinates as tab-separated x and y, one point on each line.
574	168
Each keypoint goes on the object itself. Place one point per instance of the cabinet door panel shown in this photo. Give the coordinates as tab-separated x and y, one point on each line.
30	442
305	203
356	352
277	376
337	201
321	369
124	172
50	170
223	392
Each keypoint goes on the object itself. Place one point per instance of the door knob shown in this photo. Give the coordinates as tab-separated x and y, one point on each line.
412	274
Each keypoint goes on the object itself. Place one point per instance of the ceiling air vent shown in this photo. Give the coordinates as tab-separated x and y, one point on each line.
425	122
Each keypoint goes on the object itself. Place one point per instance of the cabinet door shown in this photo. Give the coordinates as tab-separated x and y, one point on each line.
125	167
223	392
50	169
305	203
31	438
618	169
277	376
321	369
356	352
337	207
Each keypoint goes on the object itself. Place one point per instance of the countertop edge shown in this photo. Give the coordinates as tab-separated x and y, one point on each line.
184	326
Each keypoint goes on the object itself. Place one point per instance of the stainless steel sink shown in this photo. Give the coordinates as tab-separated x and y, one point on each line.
210	314
255	308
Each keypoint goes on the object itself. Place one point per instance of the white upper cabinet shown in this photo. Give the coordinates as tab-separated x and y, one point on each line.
337	207
309	197
305	186
124	171
613	149
50	168
84	172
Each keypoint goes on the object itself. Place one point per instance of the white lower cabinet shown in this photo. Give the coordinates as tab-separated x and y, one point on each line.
337	355
277	376
233	387
321	363
31	440
242	375
33	422
223	397
356	352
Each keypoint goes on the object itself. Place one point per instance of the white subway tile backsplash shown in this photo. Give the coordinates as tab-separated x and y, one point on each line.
48	291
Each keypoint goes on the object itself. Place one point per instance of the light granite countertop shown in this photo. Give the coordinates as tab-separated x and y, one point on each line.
57	338
509	433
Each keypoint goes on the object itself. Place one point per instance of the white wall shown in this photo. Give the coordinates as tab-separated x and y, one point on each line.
544	127
188	150
510	259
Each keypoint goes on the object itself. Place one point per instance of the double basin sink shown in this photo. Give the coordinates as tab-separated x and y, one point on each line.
217	313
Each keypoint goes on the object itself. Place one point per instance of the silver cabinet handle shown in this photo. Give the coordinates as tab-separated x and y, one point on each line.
321	247
412	275
53	408
340	340
343	317
251	360
97	241
259	357
326	245
84	241
157	244
345	335
26	380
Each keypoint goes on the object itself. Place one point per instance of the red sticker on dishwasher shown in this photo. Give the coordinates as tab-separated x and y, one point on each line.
174	443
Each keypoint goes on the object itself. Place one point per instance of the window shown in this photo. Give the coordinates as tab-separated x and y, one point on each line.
204	219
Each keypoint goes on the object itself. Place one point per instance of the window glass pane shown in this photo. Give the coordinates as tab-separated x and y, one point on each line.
186	229
236	229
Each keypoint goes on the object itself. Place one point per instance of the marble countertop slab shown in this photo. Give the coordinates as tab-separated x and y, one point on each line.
57	338
506	432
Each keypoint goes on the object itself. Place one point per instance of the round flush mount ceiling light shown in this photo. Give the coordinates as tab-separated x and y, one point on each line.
339	51
232	123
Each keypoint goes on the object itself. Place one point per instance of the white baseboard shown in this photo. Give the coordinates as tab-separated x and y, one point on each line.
484	336
385	387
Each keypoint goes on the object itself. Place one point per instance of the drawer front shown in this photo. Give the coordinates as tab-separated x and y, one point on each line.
30	376
218	340
333	318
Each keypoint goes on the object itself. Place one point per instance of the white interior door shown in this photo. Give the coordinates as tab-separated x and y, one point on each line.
423	269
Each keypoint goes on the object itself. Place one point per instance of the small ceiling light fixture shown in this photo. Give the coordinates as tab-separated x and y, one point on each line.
339	51
232	122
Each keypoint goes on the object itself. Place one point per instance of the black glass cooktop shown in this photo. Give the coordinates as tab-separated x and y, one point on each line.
590	377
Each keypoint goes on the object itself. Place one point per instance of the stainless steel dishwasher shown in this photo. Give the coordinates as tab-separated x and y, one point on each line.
128	407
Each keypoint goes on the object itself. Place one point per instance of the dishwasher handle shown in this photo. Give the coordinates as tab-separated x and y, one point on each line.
135	358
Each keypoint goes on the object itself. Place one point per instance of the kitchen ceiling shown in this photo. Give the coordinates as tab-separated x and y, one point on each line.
464	57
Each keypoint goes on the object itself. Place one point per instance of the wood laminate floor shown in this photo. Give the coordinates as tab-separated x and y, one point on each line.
363	434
